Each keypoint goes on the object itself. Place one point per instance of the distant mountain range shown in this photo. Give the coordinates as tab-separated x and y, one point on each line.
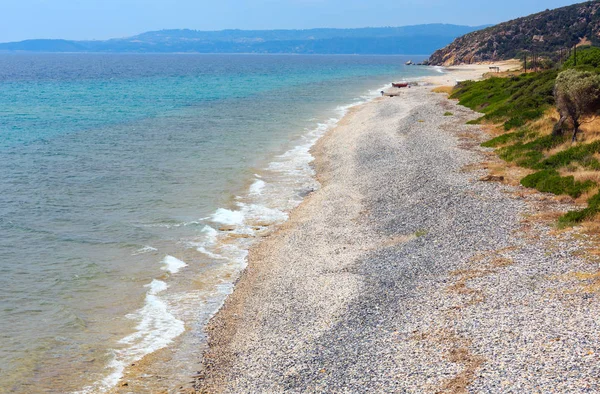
545	33
419	39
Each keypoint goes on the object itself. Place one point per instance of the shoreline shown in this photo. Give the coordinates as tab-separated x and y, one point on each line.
146	373
151	362
269	337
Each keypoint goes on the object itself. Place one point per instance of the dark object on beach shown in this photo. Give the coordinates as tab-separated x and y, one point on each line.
492	178
400	84
382	93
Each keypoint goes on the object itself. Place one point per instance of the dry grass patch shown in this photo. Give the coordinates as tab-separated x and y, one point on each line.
546	122
471	364
460	286
588	282
473	167
501	262
443	89
592	227
492	129
511	172
458	352
504	74
467	135
585	196
546	216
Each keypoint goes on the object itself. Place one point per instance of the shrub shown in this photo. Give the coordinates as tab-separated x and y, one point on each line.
550	181
530	154
582	154
574	217
586	56
577	93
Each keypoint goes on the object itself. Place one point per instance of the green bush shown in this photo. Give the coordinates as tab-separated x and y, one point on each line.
574	217
586	56
550	181
505	138
531	153
582	154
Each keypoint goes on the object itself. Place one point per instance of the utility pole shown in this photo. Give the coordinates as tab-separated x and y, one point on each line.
525	62
575	55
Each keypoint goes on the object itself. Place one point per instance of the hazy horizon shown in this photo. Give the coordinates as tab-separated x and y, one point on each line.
101	20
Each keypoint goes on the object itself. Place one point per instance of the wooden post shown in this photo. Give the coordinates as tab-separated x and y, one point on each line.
525	63
575	55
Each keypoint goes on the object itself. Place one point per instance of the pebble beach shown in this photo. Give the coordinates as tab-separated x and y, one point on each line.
405	272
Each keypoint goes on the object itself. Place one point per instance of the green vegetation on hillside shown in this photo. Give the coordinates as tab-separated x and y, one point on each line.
586	56
519	105
512	101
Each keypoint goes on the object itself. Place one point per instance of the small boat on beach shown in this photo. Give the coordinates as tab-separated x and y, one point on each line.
399	84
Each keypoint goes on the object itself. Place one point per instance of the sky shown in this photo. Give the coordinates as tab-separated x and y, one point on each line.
102	19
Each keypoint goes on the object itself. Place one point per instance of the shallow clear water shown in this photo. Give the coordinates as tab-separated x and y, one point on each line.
131	186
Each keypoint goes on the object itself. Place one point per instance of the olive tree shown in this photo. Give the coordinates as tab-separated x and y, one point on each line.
577	94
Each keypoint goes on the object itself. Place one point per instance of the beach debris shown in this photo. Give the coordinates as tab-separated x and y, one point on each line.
492	178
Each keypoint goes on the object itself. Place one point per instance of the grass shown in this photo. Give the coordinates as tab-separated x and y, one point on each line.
519	111
581	154
421	233
574	217
511	101
505	138
448	113
550	181
529	154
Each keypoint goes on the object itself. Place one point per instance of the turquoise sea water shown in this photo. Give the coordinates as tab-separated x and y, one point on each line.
131	187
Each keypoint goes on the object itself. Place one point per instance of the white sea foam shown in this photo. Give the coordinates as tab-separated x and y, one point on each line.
210	254
227	217
156	329
255	214
257	187
210	234
172	264
145	249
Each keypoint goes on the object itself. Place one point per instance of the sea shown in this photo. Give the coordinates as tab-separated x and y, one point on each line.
133	185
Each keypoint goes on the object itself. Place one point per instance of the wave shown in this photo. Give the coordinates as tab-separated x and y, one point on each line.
156	329
225	238
172	264
144	250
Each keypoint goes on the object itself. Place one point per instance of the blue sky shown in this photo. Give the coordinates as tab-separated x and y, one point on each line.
101	19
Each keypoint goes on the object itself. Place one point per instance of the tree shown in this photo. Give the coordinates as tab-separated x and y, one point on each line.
577	94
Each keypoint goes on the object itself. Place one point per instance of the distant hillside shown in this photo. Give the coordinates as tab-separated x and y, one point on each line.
420	39
546	32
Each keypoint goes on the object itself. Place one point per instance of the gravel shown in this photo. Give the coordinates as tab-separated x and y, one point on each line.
404	273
